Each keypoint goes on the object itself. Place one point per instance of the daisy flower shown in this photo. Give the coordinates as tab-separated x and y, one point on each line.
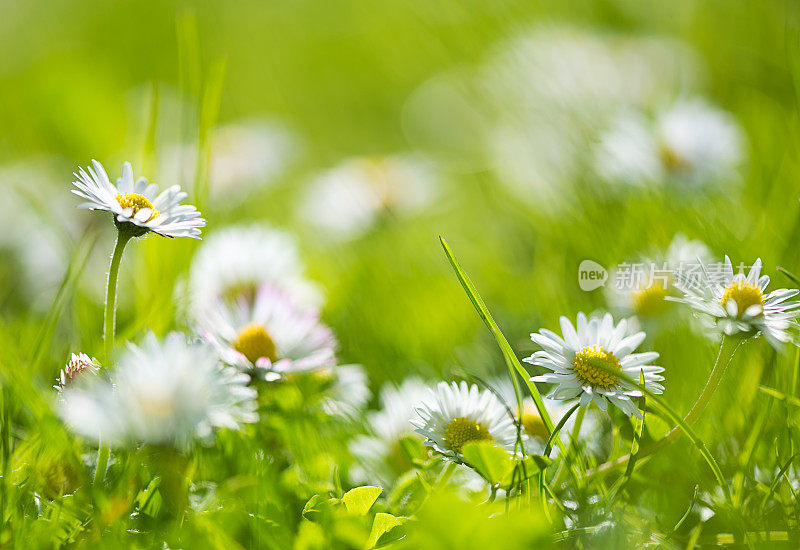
455	414
597	341
137	206
641	288
348	391
233	262
271	336
79	365
379	454
690	142
739	303
167	392
349	199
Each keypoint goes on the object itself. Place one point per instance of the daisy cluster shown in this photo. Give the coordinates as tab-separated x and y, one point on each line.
253	319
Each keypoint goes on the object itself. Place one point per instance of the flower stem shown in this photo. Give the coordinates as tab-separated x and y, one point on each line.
109	321
727	349
110	315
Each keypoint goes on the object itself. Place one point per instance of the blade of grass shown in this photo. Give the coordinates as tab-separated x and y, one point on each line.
514	366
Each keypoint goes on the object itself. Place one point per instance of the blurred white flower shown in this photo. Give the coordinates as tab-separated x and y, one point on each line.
455	414
349	199
691	143
641	288
739	303
79	365
573	361
168	392
536	105
246	156
270	337
233	262
348	392
138	204
33	243
379	454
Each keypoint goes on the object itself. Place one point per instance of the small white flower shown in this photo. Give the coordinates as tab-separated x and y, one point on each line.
739	303
233	262
641	288
138	203
348	200
379	453
348	392
79	365
168	392
597	341
691	142
246	156
271	336
455	414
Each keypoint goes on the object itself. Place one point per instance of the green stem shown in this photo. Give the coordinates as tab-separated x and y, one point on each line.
727	350
110	315
109	322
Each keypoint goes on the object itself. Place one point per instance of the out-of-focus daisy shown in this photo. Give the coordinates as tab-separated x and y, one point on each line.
641	288
270	337
348	200
79	365
168	392
691	142
739	303
138	206
33	251
455	414
379	453
246	156
574	357
348	391
233	262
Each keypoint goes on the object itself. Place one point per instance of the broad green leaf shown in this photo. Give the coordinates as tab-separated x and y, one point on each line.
360	500
383	530
318	505
492	462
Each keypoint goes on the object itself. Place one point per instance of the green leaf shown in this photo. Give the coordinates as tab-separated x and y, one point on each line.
492	462
360	500
149	498
317	506
512	362
413	450
386	528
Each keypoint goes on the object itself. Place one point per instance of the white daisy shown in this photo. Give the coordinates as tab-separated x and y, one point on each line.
349	199
641	288
166	392
454	414
138	206
271	336
233	262
739	303
691	142
246	156
348	391
79	365
597	341
379	454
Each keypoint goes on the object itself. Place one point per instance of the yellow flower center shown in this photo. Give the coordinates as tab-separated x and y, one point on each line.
136	202
672	161
461	430
745	294
586	368
650	301
533	424
254	343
